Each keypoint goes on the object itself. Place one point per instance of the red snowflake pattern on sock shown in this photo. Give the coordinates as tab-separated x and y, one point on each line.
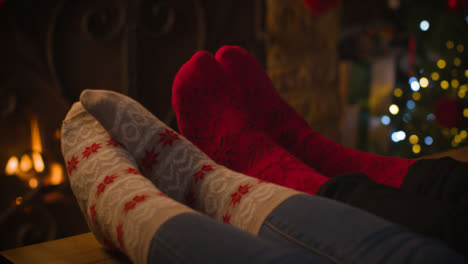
237	196
92	213
227	218
130	205
112	142
168	137
102	186
243	189
207	168
110	179
150	159
90	150
198	176
201	173
119	231
71	164
132	171
140	198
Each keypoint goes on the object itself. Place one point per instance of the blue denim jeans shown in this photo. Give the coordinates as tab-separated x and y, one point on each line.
303	229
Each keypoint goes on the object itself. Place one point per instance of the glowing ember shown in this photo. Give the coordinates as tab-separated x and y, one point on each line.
33	183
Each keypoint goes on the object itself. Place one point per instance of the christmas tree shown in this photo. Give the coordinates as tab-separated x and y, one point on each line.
429	113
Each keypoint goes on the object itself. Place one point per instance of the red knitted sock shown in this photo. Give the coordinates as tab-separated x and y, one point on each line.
214	121
279	120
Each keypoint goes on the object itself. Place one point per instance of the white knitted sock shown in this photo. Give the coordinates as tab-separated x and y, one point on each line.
123	209
180	169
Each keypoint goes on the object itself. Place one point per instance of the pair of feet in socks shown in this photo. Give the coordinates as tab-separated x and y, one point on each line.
110	141
227	106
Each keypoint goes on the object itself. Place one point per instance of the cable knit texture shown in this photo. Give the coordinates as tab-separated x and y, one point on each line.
254	92
123	209
180	169
212	116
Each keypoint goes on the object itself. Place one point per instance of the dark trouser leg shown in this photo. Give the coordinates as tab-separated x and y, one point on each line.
420	213
193	238
349	235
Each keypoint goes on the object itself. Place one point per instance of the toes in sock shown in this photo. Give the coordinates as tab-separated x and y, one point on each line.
287	128
208	113
123	209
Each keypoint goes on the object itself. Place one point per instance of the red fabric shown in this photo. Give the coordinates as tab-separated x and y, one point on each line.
212	117
452	4
274	116
319	7
448	112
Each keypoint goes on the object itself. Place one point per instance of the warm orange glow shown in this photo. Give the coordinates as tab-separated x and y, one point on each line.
38	162
19	200
25	163
57	133
12	166
56	174
53	197
36	144
33	183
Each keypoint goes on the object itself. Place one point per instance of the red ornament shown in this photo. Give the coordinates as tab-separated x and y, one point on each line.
448	112
452	4
319	7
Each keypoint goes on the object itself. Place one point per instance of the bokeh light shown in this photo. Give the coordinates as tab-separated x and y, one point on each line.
424	25
410	104
444	84
398	92
450	44
413	139
441	63
428	140
424	82
393	109
416	148
385	119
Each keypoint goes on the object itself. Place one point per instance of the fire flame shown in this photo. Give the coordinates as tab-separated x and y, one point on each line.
56	173
38	162
12	165
25	163
36	144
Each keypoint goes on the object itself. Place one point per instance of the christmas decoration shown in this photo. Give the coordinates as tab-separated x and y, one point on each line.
430	106
448	112
319	7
